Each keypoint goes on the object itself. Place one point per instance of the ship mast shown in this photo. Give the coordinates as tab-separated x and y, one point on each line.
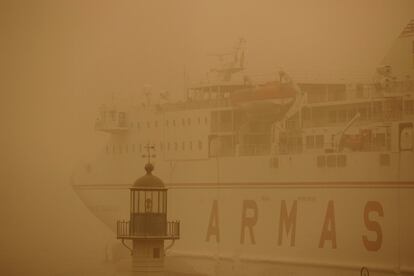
234	64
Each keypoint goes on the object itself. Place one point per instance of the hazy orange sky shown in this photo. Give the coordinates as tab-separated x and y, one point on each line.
60	59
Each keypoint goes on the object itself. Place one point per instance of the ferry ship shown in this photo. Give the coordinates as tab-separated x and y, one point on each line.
277	178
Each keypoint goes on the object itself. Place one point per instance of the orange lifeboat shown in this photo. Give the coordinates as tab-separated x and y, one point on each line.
266	92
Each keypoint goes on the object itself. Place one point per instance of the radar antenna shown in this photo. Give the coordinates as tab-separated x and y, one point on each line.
229	66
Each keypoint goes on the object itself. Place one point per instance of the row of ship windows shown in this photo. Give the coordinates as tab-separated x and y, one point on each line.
314	141
333	161
340	160
366	112
322	161
170	123
169	146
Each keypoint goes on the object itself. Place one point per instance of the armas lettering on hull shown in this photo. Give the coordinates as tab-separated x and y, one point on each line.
287	224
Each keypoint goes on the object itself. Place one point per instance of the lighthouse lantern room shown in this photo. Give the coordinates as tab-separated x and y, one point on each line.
148	226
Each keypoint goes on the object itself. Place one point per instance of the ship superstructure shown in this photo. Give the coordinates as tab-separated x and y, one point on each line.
285	176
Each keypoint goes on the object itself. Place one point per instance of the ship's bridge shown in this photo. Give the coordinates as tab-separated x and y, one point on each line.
111	120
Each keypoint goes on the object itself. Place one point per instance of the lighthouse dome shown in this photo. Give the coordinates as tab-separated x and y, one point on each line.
148	180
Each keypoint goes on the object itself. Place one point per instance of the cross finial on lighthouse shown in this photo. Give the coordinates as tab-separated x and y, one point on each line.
149	147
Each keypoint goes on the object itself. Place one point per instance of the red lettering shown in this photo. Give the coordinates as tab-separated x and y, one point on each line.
213	224
373	206
288	221
248	222
328	230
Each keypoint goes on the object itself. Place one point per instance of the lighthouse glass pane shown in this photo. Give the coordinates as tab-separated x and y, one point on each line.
148	202
131	200
164	209
161	203
136	201
155	206
141	202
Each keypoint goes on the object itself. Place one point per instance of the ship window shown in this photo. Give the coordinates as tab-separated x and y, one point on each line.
409	107
332	116
190	145
310	142
319	141
274	162
306	114
200	145
377	108
341	160
384	160
359	90
331	161
156	253
379	141
341	117
320	161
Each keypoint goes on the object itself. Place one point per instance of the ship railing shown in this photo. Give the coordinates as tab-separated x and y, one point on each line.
110	125
126	231
197	104
253	149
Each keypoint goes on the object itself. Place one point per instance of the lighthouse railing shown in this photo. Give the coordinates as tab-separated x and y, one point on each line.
122	228
125	231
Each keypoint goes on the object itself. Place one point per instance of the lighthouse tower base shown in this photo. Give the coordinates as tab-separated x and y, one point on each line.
148	257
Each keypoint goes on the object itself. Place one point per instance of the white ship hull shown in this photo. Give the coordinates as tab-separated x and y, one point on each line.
231	220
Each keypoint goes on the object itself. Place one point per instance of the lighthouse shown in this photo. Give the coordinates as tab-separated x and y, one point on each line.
148	227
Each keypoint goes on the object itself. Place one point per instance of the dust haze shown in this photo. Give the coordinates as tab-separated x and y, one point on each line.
60	60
